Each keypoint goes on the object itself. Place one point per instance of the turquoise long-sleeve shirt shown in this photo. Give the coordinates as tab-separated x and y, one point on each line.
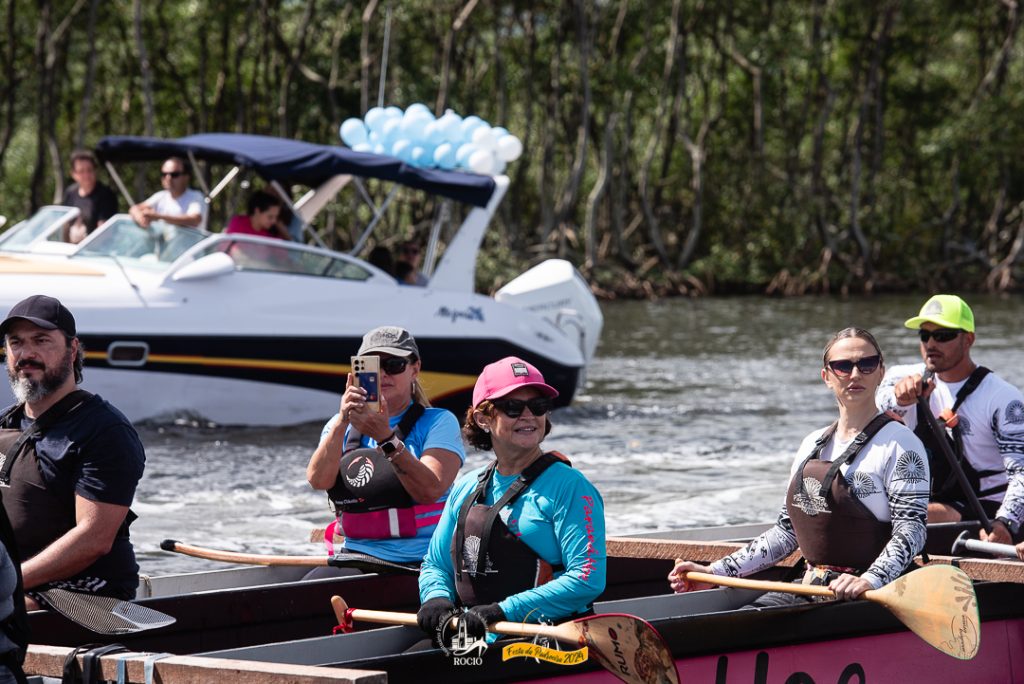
560	516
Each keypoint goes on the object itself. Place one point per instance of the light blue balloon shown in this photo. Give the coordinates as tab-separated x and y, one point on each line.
470	124
400	148
463	154
419	157
373	138
412	126
499	131
362	147
433	133
419	107
353	132
444	156
393	112
390	132
375	118
378	149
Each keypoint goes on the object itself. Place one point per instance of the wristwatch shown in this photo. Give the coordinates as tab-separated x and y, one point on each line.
390	445
1013	527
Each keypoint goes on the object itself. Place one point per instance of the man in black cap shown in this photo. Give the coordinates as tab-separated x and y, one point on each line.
69	461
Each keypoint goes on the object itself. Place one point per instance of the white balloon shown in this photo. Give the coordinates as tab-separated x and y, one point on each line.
509	148
419	107
362	147
393	112
482	161
499	167
470	124
499	131
378	149
484	138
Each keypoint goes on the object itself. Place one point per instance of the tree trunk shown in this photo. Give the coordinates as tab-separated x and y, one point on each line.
149	112
449	48
90	75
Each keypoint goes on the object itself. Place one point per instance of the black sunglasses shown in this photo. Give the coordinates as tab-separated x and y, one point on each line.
940	335
844	367
172	174
513	408
394	365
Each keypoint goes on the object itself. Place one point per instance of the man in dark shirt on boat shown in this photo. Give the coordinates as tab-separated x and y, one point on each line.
95	200
70	461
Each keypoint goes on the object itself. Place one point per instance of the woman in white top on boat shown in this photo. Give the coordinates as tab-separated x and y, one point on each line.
858	494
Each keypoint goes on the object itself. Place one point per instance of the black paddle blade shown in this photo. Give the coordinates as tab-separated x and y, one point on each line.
103	614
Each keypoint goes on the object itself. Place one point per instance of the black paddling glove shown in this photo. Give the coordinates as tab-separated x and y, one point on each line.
430	614
478	618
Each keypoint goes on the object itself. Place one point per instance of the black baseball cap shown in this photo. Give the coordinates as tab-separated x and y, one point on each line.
46	312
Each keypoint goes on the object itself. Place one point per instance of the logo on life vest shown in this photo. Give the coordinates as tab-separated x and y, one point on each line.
359	472
809	500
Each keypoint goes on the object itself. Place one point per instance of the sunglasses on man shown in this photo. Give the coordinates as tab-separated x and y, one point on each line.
513	408
843	368
940	335
172	174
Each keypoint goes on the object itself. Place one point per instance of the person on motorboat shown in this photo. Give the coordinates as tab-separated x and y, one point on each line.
94	200
523	537
177	203
988	437
72	462
857	496
408	264
387	473
262	218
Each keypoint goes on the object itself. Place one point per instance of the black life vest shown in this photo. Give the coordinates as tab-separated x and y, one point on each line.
944	485
369	499
833	527
491	563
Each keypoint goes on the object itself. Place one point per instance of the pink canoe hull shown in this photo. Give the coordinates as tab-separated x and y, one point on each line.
898	658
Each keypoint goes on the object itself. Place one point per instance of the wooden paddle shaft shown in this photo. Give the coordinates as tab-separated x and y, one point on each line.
762	585
565	631
245	558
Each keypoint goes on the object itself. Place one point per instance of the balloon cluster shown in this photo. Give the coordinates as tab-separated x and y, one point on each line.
419	139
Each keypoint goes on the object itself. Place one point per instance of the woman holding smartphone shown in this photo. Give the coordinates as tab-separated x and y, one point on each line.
521	538
387	468
858	491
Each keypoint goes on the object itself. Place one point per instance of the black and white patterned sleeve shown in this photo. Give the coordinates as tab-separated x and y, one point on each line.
907	490
885	395
763	552
1008	428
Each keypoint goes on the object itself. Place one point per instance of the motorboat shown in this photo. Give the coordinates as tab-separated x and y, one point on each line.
245	330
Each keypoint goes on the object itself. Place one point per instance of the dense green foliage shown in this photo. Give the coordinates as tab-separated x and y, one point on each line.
671	146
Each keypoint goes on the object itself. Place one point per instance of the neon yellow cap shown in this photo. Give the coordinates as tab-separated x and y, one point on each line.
948	311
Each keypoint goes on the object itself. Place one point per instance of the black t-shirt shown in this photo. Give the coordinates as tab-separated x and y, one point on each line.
97	206
95	452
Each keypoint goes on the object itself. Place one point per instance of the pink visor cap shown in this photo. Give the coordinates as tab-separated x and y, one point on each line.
508	375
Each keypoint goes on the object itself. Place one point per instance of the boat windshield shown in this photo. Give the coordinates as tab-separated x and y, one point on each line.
43	226
277	256
155	247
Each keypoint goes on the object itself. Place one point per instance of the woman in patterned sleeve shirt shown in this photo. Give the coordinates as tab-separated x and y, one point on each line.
858	492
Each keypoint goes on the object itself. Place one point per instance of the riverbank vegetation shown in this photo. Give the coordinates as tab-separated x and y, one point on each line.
672	146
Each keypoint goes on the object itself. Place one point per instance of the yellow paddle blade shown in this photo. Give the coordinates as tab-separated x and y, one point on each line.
629	647
938	604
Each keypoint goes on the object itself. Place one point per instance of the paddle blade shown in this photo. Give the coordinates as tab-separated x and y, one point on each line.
103	614
628	647
939	605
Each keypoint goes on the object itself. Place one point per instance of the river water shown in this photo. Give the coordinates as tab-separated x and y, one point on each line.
690	415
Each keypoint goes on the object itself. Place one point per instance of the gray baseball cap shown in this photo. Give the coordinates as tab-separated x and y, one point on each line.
389	339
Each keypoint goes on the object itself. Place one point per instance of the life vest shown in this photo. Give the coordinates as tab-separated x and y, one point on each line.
944	485
369	500
833	527
491	563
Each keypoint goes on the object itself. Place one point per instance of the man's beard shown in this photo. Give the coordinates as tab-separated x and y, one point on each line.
31	390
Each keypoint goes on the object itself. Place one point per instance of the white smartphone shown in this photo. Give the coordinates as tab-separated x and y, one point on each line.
367	372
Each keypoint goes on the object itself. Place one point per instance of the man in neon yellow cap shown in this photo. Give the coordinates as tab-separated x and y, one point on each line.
988	438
